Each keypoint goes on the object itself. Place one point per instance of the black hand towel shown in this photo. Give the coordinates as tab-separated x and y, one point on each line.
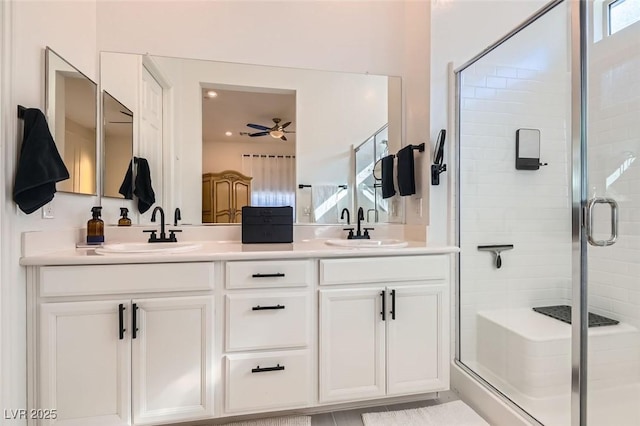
126	188
40	165
406	176
388	189
143	190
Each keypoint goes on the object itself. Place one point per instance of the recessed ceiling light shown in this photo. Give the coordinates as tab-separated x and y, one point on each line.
228	133
212	94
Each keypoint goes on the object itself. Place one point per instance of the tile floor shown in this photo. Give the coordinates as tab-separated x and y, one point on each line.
354	417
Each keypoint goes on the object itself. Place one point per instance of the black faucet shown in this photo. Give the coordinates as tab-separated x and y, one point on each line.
163	236
176	216
346	210
359	235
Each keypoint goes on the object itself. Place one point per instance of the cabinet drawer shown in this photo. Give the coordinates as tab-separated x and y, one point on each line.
267	321
267	381
264	274
383	269
119	279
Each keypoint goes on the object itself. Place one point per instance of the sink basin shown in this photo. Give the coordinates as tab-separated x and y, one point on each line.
140	248
383	243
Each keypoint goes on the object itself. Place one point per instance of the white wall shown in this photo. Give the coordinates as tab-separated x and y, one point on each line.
461	29
31	27
524	83
390	38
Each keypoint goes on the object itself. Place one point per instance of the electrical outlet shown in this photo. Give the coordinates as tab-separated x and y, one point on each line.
47	211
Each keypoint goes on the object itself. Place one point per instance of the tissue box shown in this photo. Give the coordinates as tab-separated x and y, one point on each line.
267	225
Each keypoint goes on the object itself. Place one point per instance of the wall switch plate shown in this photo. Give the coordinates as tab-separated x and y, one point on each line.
47	211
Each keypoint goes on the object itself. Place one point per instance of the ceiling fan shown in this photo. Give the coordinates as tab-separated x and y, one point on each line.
276	132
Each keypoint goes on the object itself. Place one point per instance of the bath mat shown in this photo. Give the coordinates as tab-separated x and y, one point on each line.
275	421
563	313
455	413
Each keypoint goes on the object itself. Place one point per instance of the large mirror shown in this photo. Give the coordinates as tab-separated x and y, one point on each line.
71	102
117	146
237	134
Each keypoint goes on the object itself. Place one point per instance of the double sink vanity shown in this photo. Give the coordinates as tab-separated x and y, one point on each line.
139	333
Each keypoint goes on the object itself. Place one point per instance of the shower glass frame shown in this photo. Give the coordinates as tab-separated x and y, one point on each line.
578	135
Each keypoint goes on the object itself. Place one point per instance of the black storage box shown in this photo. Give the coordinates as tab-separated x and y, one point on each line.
267	225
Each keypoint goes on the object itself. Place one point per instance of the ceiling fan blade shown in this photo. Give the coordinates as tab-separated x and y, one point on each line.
258	134
258	126
283	138
286	124
288	131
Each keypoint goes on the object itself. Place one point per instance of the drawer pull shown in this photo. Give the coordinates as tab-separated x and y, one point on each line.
266	308
121	320
384	305
277	275
278	367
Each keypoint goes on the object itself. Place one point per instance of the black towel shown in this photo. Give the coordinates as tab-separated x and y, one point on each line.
406	176
388	189
126	188
143	190
40	165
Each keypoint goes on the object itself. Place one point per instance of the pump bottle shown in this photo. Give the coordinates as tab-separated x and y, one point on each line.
95	227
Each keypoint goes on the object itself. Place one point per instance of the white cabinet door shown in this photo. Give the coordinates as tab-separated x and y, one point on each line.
417	323
352	355
84	363
171	359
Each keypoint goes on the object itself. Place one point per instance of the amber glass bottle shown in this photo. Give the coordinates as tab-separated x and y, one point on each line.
124	220
95	227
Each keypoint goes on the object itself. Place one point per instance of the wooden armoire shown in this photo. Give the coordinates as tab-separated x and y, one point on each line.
223	196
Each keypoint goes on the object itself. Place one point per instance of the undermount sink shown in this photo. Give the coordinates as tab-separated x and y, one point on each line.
382	243
139	248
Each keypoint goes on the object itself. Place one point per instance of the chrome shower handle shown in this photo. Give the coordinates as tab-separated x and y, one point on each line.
614	221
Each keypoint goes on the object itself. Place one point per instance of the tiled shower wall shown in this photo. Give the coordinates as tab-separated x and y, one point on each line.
614	171
522	84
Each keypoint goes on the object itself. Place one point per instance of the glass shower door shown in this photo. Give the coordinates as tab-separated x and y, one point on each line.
613	194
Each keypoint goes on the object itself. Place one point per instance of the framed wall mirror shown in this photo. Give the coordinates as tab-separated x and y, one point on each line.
71	103
117	145
227	118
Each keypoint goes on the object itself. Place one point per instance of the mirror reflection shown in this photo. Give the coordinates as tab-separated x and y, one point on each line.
248	158
117	144
71	100
239	130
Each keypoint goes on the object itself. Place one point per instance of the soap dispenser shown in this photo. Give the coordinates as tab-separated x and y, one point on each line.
124	220
95	227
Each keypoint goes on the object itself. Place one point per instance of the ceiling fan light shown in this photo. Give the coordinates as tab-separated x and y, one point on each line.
276	134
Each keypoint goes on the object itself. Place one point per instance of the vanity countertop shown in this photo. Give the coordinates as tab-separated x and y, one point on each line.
231	250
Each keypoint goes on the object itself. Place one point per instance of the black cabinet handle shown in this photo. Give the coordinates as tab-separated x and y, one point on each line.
279	274
278	367
265	308
393	304
384	305
121	320
134	321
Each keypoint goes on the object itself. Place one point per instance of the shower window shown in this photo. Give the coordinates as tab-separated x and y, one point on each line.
622	13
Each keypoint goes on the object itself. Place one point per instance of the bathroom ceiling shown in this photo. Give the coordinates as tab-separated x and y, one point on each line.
231	110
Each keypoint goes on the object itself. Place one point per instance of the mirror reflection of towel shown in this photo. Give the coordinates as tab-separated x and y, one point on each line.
388	190
40	165
406	174
126	188
143	189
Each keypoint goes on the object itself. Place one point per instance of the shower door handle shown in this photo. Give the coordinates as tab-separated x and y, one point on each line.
614	221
